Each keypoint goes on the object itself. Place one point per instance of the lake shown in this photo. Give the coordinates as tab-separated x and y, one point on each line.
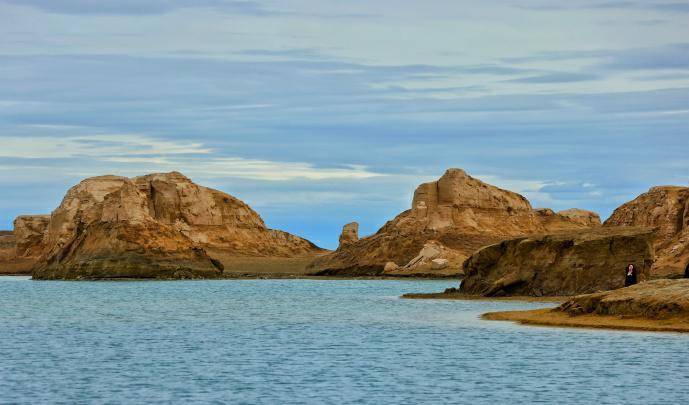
311	341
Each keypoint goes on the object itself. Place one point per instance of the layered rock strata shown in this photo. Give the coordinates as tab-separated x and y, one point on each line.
561	264
459	213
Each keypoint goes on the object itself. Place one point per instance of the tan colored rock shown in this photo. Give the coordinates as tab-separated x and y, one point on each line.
459	212
666	209
155	226
430	251
390	266
587	218
569	263
439	264
657	299
21	248
30	231
350	233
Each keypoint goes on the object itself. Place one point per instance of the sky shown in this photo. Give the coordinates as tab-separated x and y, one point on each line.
319	113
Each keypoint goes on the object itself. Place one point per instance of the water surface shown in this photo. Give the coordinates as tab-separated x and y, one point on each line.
310	341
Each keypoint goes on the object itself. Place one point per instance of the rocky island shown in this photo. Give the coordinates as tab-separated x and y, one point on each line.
155	226
448	221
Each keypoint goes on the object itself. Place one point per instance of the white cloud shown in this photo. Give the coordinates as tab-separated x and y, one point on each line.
133	155
94	146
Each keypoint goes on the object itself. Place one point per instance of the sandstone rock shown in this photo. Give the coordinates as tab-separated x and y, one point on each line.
655	299
569	263
30	231
666	209
390	266
20	249
588	218
458	212
155	226
439	264
350	233
8	253
430	251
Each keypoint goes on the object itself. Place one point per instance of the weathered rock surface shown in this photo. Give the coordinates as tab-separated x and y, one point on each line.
30	231
566	263
666	209
350	234
459	213
588	218
656	299
21	248
8	253
155	226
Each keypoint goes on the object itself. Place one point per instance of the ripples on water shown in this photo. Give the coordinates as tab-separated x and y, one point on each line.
310	341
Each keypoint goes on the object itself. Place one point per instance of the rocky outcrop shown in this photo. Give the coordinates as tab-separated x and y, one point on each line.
155	226
656	299
459	213
350	234
8	253
21	248
584	217
30	231
569	263
666	209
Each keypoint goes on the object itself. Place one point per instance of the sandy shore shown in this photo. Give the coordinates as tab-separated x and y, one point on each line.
548	317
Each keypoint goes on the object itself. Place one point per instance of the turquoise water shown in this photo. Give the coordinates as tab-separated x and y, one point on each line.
310	341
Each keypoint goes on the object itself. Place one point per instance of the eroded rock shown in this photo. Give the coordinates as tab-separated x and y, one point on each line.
459	212
656	299
665	209
156	226
575	262
350	234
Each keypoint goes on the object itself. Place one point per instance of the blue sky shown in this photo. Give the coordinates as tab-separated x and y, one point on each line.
322	112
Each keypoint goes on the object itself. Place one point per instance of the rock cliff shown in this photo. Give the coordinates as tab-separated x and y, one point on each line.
155	226
459	213
666	209
567	263
21	248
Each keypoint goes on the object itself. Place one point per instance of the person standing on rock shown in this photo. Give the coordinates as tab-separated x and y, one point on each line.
630	275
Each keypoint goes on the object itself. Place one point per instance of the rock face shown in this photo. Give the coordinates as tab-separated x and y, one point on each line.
350	234
154	226
587	218
569	263
21	248
666	209
8	253
30	231
657	299
457	212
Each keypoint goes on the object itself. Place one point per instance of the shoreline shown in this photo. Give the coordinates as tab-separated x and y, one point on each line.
550	318
250	277
467	297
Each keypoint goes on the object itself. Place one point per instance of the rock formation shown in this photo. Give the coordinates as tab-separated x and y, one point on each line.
457	212
8	253
30	231
587	218
21	248
656	299
155	226
568	263
666	209
350	234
